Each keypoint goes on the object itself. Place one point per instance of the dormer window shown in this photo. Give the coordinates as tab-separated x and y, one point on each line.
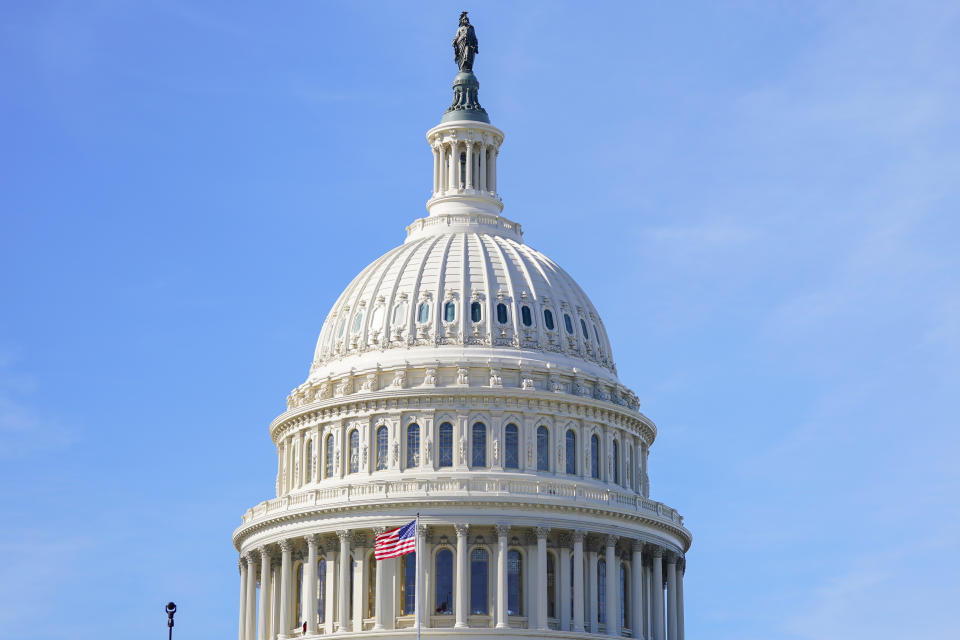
548	319
502	313
449	312
475	311
568	323
525	316
423	313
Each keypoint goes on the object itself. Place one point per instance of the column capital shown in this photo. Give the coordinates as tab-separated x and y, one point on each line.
542	532
637	546
264	553
656	551
461	529
672	557
565	541
425	534
343	534
311	541
577	535
360	540
250	558
379	530
285	545
503	530
610	540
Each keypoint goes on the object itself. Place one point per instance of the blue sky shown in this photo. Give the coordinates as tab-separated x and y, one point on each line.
760	198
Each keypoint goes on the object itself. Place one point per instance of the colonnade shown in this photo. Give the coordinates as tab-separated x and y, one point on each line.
461	165
470	577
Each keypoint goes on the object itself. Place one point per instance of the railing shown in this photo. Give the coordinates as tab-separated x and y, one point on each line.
565	492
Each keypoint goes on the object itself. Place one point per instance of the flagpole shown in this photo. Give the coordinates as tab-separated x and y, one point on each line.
416	583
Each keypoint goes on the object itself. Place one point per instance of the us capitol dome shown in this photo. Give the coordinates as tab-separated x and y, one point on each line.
463	376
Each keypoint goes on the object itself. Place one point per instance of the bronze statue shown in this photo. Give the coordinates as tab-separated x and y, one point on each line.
465	44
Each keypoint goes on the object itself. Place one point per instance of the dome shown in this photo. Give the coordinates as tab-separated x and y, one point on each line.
467	288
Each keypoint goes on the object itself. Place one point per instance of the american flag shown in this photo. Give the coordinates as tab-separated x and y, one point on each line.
396	542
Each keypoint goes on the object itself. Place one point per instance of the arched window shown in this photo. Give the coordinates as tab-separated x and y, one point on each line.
308	466
543	449
444	575
322	589
583	329
548	319
400	313
449	312
423	313
413	445
571	452
479	574
616	463
602	591
343	326
596	334
357	321
328	460
475	311
514	583
551	586
445	445
409	584
383	445
568	323
479	444
299	595
624	596
525	316
354	451
502	313
511	447
595	457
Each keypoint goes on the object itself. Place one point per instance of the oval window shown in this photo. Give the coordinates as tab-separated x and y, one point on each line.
423	314
343	326
449	312
595	334
399	313
357	321
475	311
568	323
548	319
377	318
502	313
583	328
525	316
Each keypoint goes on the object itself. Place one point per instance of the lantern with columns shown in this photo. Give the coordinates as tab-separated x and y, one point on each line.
466	377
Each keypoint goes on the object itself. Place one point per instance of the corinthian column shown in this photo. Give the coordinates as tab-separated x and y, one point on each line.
453	183
565	595
285	557
656	592
577	581
468	179
681	569
330	598
672	596
483	166
425	557
343	623
264	630
503	531
594	591
542	577
462	576
436	168
492	169
243	597
636	591
379	599
613	587
310	584
251	626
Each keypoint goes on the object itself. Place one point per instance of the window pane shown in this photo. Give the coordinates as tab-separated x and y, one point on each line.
583	329
409	583
502	313
413	446
602	591
444	574
322	592
478	582
424	312
479	444
357	322
616	462
568	323
328	462
309	466
445	446
624	595
475	312
571	452
525	316
595	457
400	313
543	449
382	444
548	319
511	449
514	583
354	451
449	312
551	586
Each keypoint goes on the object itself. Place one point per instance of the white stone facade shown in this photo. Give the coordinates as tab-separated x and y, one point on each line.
466	377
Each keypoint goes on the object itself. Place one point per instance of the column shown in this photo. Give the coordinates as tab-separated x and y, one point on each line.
329	601
436	168
542	577
503	620
565	593
285	559
463	577
425	603
613	587
594	591
243	597
264	630
681	569
310	584
379	597
672	596
483	166
468	179
492	168
578	581
636	591
360	579
656	592
343	625
452	182
647	609
251	626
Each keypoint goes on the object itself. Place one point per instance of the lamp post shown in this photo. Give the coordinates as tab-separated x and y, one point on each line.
171	609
